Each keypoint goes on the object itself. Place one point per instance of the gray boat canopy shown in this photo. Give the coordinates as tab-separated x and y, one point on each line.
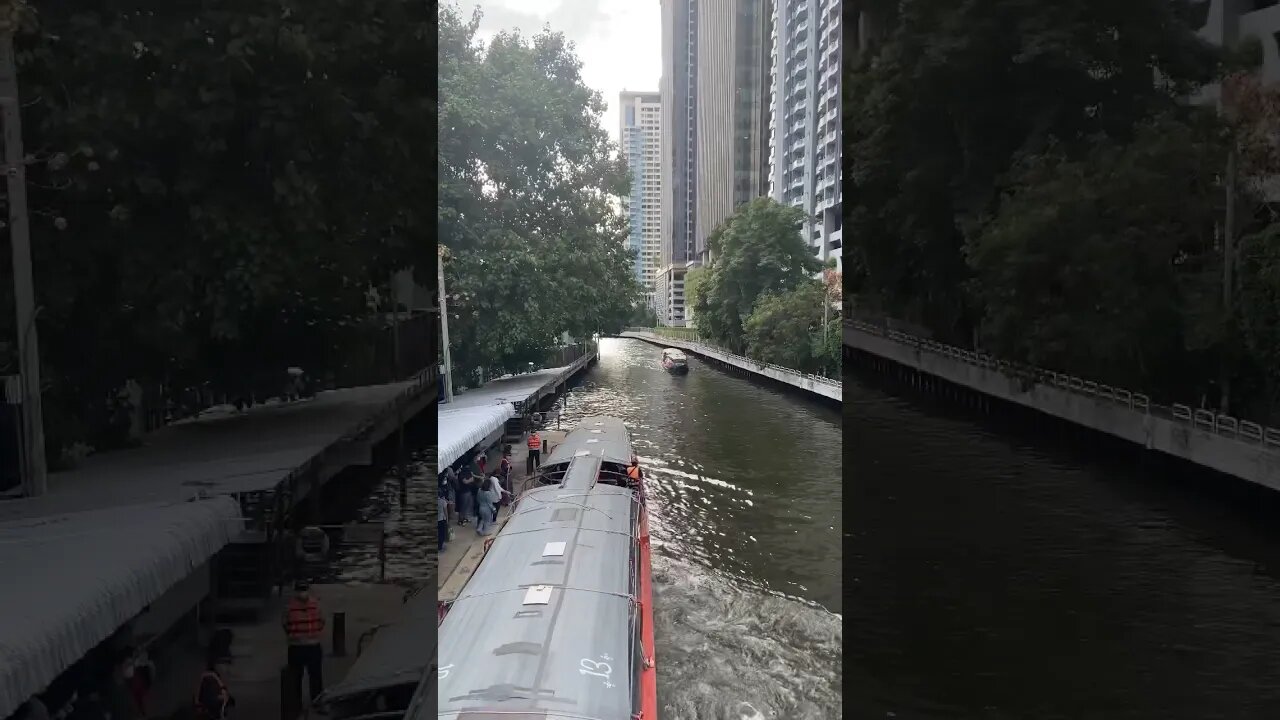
548	625
602	436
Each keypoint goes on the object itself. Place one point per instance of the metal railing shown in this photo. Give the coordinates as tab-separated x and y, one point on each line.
1207	420
709	348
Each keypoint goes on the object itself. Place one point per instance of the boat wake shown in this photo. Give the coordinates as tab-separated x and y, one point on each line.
730	651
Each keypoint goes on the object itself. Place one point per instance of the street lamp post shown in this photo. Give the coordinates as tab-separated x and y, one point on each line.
442	253
35	471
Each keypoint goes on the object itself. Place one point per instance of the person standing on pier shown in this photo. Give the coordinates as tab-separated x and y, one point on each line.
535	451
443	501
304	624
504	470
487	506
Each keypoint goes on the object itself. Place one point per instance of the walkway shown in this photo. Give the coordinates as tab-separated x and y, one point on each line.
229	453
1228	445
813	384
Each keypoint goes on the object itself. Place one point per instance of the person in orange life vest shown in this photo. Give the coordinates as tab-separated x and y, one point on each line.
213	700
304	624
634	472
535	450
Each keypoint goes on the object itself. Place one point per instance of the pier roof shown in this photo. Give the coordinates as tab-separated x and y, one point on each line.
459	429
72	580
510	389
221	452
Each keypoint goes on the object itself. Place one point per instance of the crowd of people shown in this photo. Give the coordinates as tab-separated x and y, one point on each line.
475	493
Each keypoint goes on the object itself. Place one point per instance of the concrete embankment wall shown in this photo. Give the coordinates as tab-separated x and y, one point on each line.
812	384
1113	413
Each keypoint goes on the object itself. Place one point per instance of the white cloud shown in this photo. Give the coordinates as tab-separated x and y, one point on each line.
618	41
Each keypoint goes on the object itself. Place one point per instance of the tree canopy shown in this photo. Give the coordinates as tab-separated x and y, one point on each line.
787	329
757	251
952	97
1048	181
214	192
528	187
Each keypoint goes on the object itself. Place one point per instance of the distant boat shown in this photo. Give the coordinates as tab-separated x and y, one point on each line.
674	361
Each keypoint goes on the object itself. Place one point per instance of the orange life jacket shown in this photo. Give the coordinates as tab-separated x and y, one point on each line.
633	472
303	621
535	442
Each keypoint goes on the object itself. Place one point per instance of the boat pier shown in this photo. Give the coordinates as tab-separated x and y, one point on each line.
146	546
477	419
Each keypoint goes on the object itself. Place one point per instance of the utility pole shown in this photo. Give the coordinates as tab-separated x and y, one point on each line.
442	253
399	371
35	472
1228	267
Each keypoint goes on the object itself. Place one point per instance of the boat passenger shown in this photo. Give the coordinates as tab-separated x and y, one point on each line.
486	507
634	472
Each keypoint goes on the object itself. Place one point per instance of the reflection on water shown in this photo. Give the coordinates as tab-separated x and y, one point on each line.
745	497
409	519
995	577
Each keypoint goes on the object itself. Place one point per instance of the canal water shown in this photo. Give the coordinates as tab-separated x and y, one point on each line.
745	491
996	575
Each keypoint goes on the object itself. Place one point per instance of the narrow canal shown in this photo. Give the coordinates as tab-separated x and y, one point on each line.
746	511
1000	576
746	506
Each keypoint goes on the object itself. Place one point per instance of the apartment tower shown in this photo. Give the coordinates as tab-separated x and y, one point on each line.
640	133
678	127
732	113
804	117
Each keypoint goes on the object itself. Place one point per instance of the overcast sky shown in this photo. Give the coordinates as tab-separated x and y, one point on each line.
618	41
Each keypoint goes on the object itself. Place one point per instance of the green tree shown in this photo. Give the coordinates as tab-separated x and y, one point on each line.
693	287
786	329
214	192
1092	264
952	97
1253	110
1259	303
757	251
528	182
643	316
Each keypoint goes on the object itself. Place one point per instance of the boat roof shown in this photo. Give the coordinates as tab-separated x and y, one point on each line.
603	436
547	624
674	352
397	655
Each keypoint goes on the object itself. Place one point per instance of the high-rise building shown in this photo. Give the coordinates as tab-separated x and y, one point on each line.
804	117
1227	22
641	133
678	91
732	111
